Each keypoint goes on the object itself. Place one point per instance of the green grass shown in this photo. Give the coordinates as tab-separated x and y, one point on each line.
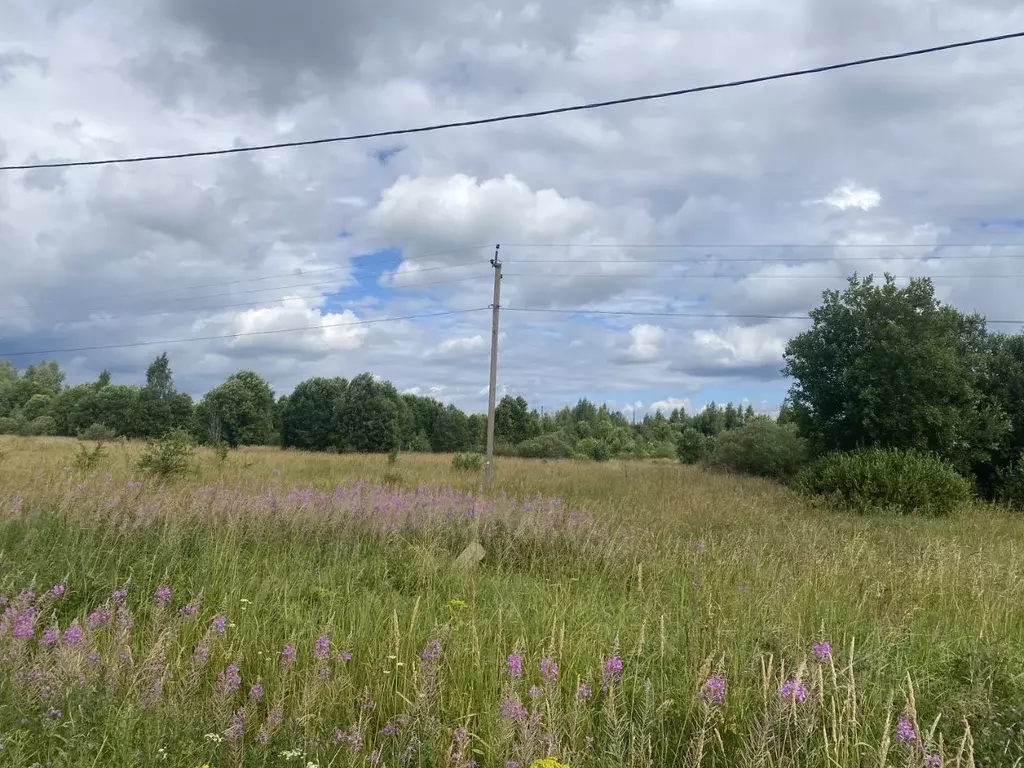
681	572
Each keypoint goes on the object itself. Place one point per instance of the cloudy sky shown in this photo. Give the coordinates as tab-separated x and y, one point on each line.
749	201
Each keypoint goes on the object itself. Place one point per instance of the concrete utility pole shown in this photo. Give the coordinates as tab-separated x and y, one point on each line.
489	466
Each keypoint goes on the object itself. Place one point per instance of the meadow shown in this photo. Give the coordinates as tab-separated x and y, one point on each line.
286	608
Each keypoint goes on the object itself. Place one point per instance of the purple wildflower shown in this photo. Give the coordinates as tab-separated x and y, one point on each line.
230	679
57	590
74	635
514	665
237	728
374	757
288	654
512	709
189	610
94	658
583	691
119	595
535	691
345	656
353	738
612	670
53	714
24	624
713	689
322	648
162	595
432	652
548	670
256	691
461	735
905	730
793	689
511	764
50	636
823	651
98	617
933	761
218	623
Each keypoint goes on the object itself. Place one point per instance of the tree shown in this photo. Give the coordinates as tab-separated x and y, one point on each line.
241	410
368	417
307	419
512	420
161	408
104	379
892	367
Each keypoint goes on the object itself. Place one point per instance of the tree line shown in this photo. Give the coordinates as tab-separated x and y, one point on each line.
363	414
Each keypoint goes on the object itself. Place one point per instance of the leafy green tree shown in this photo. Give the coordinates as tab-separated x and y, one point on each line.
892	367
369	417
762	448
307	419
8	381
161	407
512	421
37	405
239	411
103	380
1004	386
693	445
710	421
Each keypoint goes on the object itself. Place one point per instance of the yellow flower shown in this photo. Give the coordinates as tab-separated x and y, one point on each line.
456	603
547	762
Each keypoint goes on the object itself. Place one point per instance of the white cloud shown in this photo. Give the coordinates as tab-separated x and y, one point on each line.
851	196
669	404
330	332
451	349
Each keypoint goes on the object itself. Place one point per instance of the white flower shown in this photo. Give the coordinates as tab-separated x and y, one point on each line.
216	738
289	754
312	765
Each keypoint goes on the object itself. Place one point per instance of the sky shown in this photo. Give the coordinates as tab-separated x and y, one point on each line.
722	205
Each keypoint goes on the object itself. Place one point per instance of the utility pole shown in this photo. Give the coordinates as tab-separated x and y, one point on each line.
489	465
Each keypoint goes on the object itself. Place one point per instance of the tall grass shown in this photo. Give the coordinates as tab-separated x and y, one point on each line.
623	614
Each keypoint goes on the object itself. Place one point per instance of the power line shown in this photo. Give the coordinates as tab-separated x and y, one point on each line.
301	272
396	286
240	335
763	245
684	276
536	113
772	259
728	316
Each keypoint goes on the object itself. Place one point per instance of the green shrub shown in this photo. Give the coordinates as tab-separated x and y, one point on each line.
663	450
99	433
551	445
761	448
1011	484
392	457
467	462
594	449
44	426
87	458
12	425
169	456
878	479
221	450
693	446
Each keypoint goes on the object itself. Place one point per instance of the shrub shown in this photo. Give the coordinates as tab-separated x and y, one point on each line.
44	426
663	450
594	449
392	457
98	433
762	448
551	445
169	456
878	479
1011	484
12	425
88	459
221	450
693	446
467	462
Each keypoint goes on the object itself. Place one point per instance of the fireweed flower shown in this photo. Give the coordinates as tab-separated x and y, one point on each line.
98	617
74	635
219	623
230	679
94	659
189	610
514	665
322	648
49	637
713	689
535	691
119	595
288	654
905	730
162	595
793	689
583	691
548	670
57	590
823	651
24	624
933	761
612	672
511	708
256	691
237	729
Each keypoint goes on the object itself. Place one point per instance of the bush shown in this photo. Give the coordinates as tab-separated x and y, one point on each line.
1011	484
878	479
761	448
664	450
594	449
88	459
693	446
551	445
221	450
44	426
169	456
98	433
12	425
467	462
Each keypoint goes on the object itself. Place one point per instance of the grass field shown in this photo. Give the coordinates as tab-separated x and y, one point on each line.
624	588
